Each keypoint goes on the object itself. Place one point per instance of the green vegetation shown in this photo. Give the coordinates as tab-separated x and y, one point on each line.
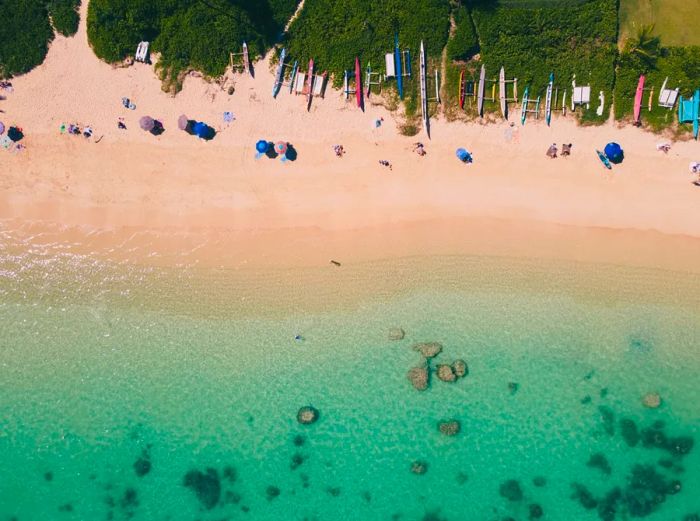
64	16
675	21
464	43
531	42
25	31
333	33
188	34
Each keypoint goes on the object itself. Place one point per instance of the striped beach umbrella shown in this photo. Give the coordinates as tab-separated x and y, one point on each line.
281	147
147	123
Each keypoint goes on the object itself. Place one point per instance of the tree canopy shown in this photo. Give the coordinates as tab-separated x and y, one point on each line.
188	34
25	31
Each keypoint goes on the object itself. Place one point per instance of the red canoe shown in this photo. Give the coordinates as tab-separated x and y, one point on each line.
358	82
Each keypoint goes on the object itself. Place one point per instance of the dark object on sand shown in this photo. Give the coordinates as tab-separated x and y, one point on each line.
335	263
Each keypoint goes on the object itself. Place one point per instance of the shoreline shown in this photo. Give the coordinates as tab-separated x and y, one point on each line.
185	194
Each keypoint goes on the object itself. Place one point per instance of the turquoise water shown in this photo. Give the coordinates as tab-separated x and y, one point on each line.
104	366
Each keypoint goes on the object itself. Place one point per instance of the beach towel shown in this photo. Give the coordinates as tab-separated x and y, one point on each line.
229	117
6	142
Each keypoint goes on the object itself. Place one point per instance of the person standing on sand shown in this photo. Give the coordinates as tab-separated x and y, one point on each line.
552	151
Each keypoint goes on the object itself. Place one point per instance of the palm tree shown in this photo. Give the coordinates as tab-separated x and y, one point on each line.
644	45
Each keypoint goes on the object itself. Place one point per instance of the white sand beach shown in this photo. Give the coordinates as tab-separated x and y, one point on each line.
125	181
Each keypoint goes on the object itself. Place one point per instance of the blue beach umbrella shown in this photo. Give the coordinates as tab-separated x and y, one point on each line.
614	153
463	155
261	148
200	129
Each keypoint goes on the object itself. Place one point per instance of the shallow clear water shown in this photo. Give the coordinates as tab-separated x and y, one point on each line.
195	370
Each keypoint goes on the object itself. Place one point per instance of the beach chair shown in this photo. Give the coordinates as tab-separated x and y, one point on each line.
667	97
142	52
580	95
300	83
319	87
390	66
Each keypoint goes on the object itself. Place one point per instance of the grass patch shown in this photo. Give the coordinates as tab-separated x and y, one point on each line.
675	21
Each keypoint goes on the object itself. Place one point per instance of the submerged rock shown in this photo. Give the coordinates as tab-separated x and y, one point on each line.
462	478
608	418
271	492
307	415
513	387
646	490
680	446
367	496
48	476
205	485
691	517
142	465
333	491
600	462
460	368
299	440
396	333
652	400
539	481
584	496
419	377
428	349
446	373
511	490
230	474
607	507
297	461
449	427
629	432
535	511
419	467
586	400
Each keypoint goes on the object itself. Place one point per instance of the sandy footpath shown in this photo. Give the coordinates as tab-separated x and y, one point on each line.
124	181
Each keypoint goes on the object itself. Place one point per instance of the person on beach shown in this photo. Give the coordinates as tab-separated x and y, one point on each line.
552	151
120	124
566	149
384	162
419	148
339	150
663	147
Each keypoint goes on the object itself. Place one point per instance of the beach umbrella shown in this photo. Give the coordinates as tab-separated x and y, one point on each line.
2	127
182	122
200	129
614	153
463	155
281	147
147	123
14	134
260	148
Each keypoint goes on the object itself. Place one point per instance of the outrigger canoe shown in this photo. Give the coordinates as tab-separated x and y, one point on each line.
279	74
462	90
548	99
399	71
480	94
604	159
638	100
310	84
523	105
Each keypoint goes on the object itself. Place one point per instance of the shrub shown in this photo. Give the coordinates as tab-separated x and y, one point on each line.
64	15
464	42
25	34
334	33
188	34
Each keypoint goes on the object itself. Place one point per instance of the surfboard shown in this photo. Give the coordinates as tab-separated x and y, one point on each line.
480	93
310	84
502	92
548	99
604	159
424	90
278	74
638	100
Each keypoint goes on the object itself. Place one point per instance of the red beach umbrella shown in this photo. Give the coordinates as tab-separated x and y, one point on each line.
281	147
